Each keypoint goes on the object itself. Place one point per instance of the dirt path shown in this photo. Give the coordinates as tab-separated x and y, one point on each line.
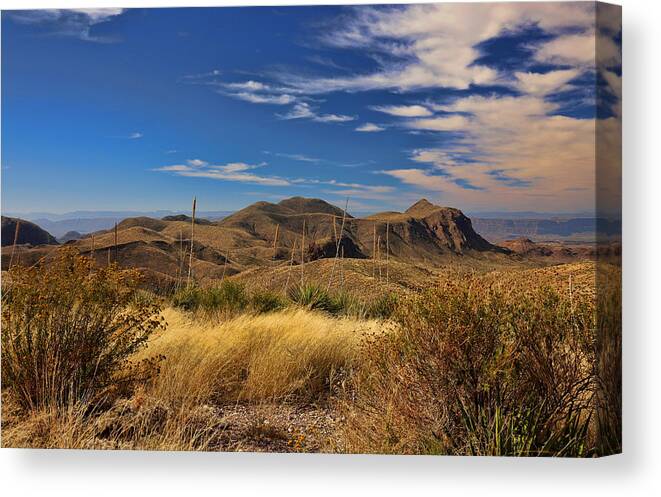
275	428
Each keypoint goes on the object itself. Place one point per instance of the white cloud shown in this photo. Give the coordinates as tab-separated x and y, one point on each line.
370	128
256	98
233	171
546	83
297	157
511	141
569	49
434	45
69	22
248	86
403	110
174	168
135	136
443	123
420	178
98	15
303	110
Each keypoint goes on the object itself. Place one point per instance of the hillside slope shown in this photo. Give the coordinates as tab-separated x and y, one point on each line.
28	232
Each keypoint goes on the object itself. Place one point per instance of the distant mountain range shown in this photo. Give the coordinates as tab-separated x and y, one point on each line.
84	222
266	234
495	226
579	228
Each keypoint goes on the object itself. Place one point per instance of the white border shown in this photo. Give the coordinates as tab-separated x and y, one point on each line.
61	472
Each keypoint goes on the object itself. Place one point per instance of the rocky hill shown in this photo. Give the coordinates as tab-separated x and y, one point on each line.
265	236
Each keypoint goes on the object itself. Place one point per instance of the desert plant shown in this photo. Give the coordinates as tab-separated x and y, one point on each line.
187	298
69	330
312	297
383	307
229	297
474	369
346	304
290	355
262	301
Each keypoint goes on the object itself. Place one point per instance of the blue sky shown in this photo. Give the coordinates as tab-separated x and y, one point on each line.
477	106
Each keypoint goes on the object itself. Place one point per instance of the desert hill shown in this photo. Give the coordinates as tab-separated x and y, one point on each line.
28	233
424	232
69	236
264	240
525	246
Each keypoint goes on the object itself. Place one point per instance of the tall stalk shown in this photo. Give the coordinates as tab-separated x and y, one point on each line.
338	243
13	248
192	237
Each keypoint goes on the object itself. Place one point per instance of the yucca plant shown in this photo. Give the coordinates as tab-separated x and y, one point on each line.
313	297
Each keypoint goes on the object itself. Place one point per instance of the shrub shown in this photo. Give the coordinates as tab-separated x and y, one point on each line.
312	297
187	298
229	297
69	329
263	301
344	303
472	369
383	307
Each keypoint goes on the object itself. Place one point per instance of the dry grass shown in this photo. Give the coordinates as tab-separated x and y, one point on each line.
483	363
492	365
294	354
246	359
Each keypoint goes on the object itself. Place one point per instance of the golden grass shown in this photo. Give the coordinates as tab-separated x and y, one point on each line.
276	356
297	357
293	355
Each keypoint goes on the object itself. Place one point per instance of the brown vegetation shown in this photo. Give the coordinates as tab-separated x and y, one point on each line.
280	343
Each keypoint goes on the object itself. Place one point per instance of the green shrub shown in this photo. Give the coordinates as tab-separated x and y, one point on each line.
312	296
69	329
383	307
187	298
228	297
346	304
263	301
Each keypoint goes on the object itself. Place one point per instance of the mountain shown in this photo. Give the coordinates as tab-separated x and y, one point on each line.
433	229
265	236
525	246
69	236
28	233
424	232
80	225
577	228
85	222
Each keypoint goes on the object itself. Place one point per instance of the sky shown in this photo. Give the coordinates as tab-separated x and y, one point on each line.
483	107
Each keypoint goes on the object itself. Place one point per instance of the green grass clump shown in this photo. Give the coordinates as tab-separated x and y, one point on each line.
228	297
383	307
263	301
312	297
342	303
